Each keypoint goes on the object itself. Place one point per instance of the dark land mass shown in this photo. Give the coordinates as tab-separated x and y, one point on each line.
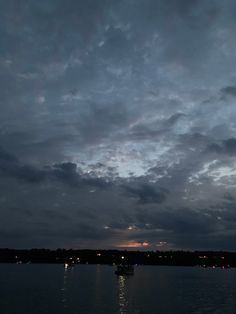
111	257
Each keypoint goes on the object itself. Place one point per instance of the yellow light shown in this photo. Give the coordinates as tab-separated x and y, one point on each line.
133	244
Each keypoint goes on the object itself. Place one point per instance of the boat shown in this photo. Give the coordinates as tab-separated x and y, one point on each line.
124	270
69	264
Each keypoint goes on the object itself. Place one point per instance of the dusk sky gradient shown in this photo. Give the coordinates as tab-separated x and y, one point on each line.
118	124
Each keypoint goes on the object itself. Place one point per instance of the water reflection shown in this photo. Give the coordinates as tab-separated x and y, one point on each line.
122	295
68	272
98	291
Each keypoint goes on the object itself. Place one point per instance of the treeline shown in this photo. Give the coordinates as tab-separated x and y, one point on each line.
171	258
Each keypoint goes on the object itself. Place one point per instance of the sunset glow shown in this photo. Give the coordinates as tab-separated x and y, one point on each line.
133	244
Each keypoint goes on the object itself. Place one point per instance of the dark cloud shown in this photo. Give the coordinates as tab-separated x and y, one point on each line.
7	157
229	90
174	118
229	197
65	172
156	129
10	166
146	193
187	228
225	147
117	122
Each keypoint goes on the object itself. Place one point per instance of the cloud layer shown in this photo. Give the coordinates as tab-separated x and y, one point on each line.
117	124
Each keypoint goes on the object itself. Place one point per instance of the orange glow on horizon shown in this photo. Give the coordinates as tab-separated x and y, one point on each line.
133	244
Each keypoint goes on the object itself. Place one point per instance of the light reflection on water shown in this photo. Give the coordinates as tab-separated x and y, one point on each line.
65	290
94	289
122	295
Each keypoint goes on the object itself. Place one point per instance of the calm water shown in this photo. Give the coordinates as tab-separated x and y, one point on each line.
86	289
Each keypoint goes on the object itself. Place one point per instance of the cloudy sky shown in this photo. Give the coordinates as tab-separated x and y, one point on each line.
118	124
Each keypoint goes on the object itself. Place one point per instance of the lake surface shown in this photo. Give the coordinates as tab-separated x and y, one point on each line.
94	289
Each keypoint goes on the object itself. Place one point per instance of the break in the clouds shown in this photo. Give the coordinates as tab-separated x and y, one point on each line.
117	124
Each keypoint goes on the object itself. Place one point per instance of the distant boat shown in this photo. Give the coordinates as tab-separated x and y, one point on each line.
69	264
124	270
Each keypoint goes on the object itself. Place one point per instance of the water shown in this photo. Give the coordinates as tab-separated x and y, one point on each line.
88	289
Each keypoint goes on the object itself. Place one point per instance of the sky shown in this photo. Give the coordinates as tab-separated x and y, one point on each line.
118	124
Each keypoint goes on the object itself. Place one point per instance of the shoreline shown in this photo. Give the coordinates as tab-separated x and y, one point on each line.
204	259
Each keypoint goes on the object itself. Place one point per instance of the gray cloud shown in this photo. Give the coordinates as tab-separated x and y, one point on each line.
146	193
117	123
229	90
227	146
